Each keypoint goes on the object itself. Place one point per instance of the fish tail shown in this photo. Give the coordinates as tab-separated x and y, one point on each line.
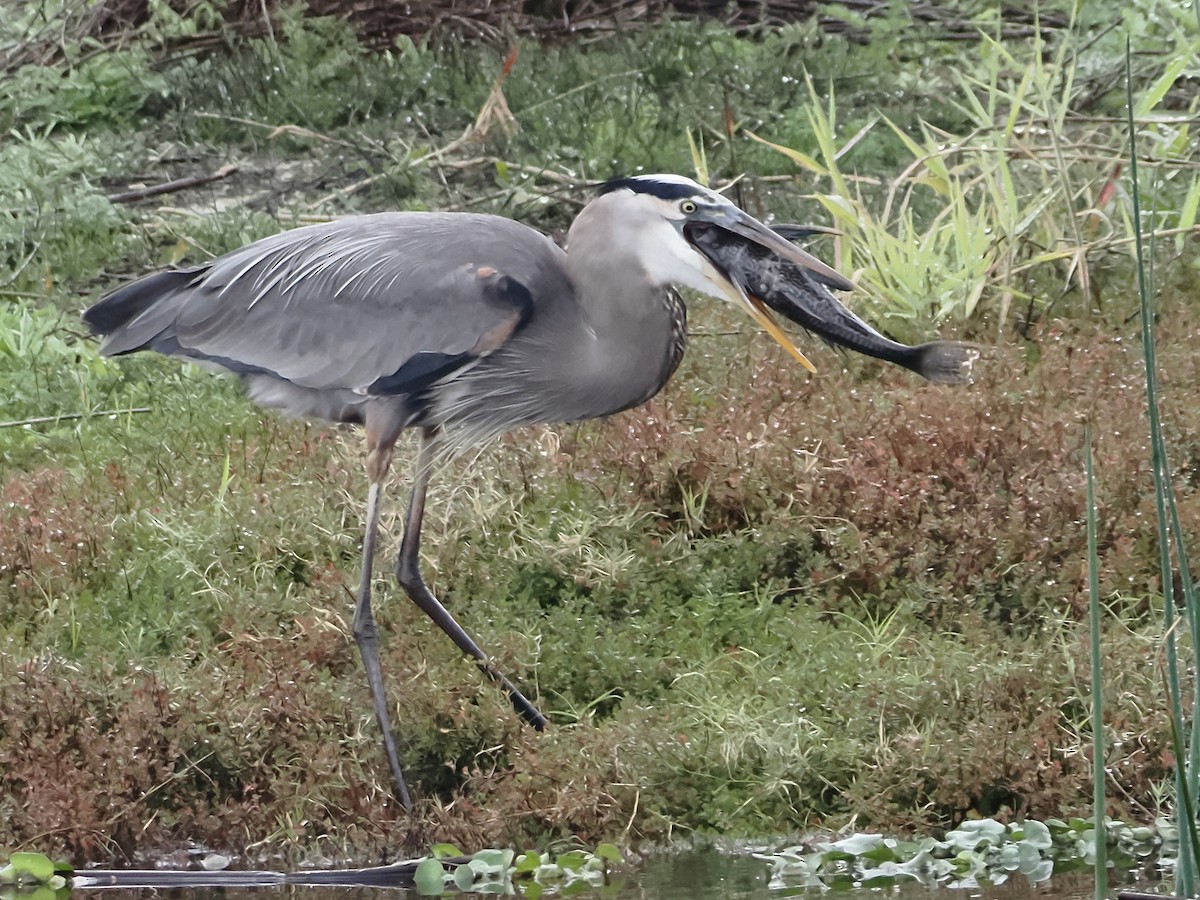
944	362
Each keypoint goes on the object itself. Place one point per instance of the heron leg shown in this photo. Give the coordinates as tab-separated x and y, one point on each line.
366	635
408	573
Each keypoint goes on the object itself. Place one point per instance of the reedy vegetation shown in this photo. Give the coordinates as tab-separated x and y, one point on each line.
759	604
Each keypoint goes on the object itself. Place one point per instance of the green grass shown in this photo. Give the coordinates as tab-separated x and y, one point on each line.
761	604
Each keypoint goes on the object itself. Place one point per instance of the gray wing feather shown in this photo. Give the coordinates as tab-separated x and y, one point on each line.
343	304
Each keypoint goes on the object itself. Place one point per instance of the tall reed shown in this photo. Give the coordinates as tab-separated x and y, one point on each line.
1170	533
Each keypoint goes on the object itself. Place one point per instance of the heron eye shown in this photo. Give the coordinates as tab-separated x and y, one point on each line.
687	207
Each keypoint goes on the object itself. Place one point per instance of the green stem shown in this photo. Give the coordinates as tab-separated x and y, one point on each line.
1098	754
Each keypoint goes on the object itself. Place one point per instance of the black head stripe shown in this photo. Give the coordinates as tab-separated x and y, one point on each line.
666	190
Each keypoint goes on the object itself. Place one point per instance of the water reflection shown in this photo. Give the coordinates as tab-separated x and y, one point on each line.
692	875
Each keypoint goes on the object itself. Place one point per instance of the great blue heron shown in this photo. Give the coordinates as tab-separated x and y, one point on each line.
465	326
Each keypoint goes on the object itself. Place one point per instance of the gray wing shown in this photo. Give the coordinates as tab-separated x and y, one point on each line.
379	304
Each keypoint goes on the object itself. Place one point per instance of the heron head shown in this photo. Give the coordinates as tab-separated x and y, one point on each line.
664	215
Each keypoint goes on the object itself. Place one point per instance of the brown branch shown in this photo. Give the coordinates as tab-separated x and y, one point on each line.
171	187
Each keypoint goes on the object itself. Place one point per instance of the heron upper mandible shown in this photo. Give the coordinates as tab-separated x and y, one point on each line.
465	326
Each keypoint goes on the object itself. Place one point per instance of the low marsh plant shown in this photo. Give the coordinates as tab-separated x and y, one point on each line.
62	229
758	603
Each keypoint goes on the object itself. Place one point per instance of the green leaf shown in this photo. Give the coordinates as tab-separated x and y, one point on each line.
880	853
571	861
842	882
609	852
441	851
1155	93
879	881
41	892
430	877
36	866
1187	211
801	159
528	862
1057	826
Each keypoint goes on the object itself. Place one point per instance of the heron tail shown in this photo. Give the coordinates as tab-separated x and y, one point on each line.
127	318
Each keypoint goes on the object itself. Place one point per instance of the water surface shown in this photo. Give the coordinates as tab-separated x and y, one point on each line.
690	875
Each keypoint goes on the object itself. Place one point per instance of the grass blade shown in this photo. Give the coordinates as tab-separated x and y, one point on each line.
1188	838
803	160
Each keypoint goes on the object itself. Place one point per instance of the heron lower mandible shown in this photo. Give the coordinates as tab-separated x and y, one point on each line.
465	326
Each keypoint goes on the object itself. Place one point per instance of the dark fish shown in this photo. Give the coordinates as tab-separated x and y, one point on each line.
803	297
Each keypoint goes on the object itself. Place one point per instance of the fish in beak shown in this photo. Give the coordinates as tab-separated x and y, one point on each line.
763	271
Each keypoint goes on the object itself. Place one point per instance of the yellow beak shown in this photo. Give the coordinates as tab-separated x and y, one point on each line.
758	312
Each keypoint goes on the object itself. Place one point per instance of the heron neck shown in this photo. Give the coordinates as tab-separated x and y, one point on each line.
634	333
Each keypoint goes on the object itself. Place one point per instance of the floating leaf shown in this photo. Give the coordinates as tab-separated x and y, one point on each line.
491	862
974	832
1028	858
430	877
32	866
1009	858
1034	833
464	877
857	844
1041	871
838	856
